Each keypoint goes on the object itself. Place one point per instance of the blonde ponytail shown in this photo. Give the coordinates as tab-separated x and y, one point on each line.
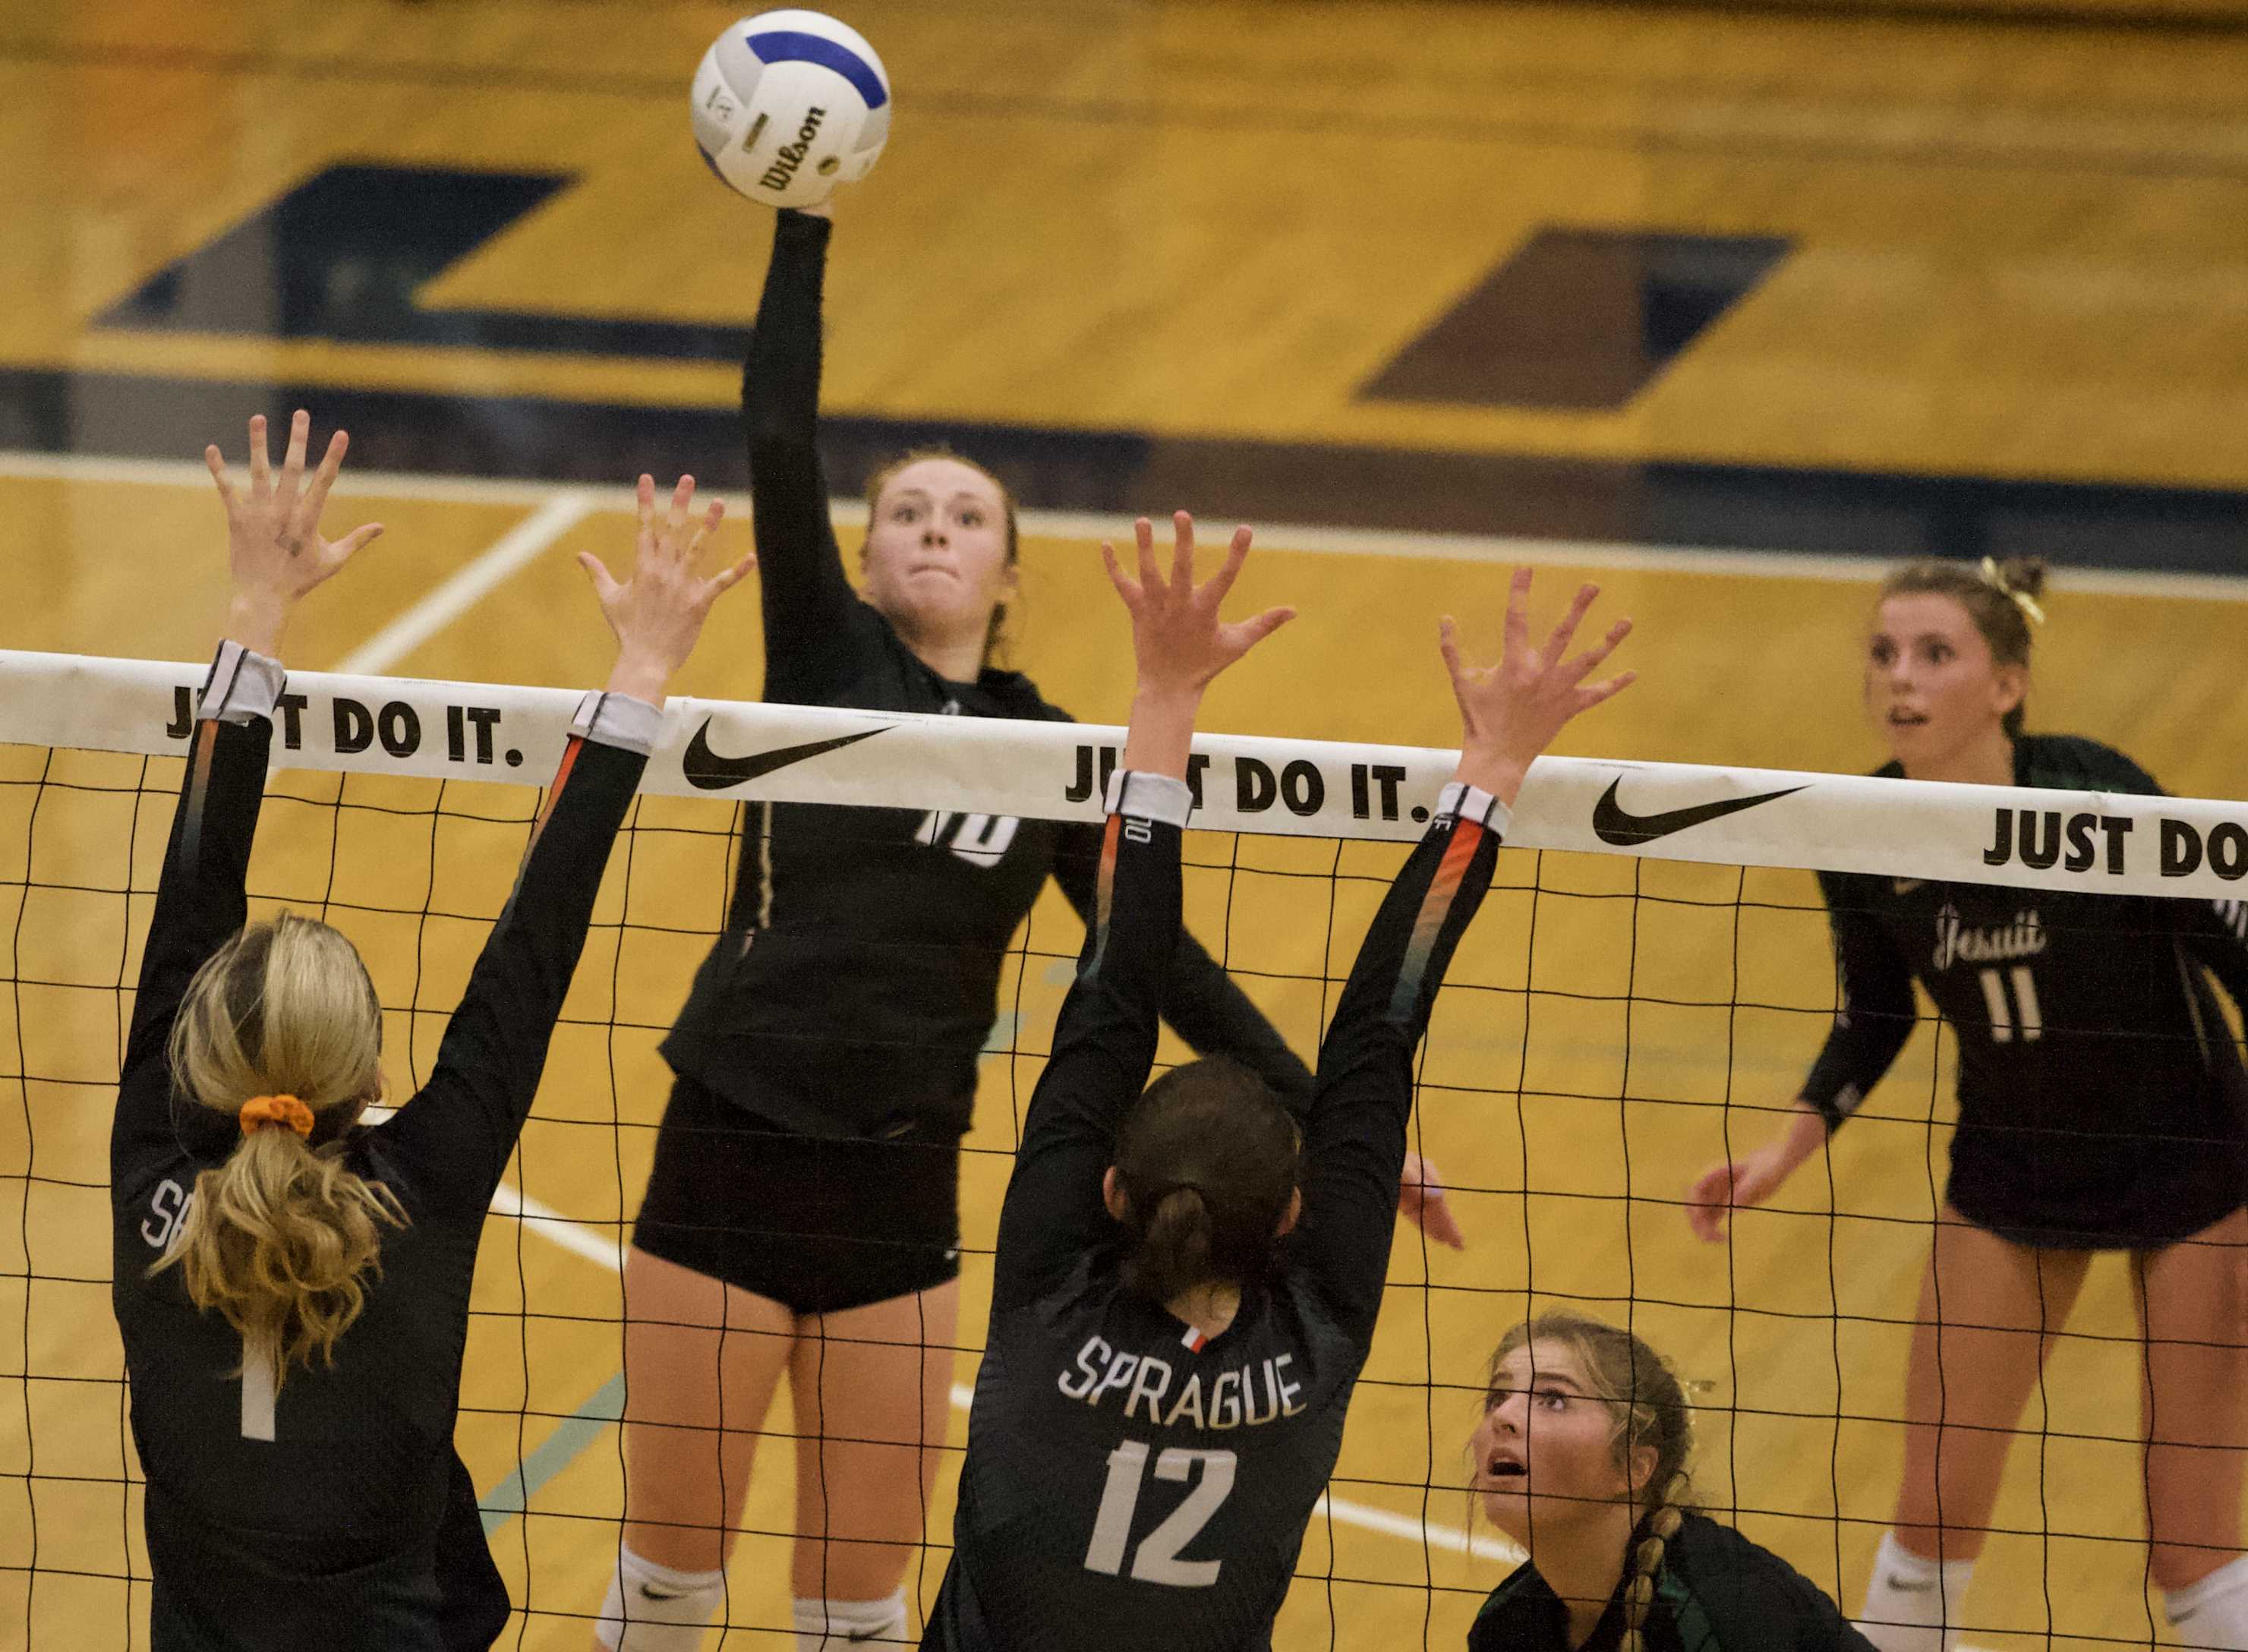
278	1239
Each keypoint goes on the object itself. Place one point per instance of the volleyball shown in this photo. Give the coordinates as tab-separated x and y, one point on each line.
789	104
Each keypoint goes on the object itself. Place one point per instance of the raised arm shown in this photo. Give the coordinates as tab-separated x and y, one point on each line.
1874	1016
1105	1039
458	1132
1204	1005
1355	1145
276	555
809	605
1201	1002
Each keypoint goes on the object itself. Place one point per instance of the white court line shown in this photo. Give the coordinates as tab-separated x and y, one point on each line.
507	555
607	1252
1496	549
574	1236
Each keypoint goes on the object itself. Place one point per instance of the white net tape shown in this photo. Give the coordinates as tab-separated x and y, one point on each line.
2089	841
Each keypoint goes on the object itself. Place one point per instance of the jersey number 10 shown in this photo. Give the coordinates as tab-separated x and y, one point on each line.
2004	1018
1157	1560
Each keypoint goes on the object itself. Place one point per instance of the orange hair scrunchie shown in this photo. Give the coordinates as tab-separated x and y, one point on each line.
262	1110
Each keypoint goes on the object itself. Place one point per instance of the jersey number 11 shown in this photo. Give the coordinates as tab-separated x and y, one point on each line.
1157	1560
2003	1020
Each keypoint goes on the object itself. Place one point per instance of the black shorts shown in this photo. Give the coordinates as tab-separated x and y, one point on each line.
819	1224
2135	1195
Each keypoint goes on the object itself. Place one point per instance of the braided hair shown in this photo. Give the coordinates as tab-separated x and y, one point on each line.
1647	1405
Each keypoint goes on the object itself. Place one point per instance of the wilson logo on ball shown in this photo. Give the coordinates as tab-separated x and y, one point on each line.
777	175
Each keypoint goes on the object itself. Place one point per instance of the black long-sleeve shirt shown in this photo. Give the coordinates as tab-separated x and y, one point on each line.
858	976
1121	1472
2101	1096
1715	1592
311	1518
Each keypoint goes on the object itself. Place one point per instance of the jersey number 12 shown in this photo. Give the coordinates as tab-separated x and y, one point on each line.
2004	1018
1157	1560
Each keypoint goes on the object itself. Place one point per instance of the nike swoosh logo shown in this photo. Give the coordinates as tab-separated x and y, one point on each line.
1902	1587
662	1595
1613	823
707	772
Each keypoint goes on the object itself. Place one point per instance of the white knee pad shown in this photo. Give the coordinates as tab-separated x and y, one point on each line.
2214	1611
657	1608
837	1626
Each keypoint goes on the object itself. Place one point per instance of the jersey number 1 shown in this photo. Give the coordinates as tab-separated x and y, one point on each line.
2003	1020
1157	1560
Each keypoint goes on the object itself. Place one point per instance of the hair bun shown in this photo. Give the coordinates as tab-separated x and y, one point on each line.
2024	574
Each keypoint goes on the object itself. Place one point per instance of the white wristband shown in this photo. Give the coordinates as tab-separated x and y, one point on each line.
1149	797
1460	801
618	720
242	687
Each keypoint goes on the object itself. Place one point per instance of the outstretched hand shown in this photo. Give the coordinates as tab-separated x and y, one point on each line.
657	613
274	547
1510	712
1178	641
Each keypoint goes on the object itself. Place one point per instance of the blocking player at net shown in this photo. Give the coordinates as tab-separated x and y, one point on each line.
292	1286
1581	1457
1163	1386
2102	1106
802	1215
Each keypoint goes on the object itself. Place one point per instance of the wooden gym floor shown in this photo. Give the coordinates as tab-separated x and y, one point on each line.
2014	255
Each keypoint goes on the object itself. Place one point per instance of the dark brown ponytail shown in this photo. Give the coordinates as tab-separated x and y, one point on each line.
1207	1163
1172	1251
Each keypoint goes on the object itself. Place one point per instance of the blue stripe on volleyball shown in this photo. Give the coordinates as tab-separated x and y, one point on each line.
793	45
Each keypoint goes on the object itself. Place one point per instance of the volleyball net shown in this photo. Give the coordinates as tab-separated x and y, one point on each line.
1642	995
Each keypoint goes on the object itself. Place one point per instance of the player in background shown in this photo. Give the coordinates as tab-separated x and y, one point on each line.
292	1287
802	1215
1581	1458
2101	1107
1164	1379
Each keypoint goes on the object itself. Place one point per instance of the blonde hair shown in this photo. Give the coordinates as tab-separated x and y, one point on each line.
1647	1408
278	1240
2001	598
996	640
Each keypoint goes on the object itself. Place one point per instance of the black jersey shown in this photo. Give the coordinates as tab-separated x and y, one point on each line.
335	1515
858	976
1121	1472
2101	1098
1715	1592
